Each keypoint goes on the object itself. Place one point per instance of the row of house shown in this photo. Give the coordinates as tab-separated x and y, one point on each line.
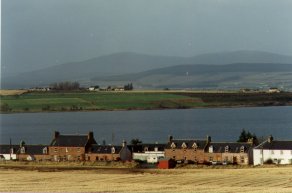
201	151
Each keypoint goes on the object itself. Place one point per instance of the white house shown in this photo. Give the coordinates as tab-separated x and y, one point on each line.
149	156
8	152
149	153
272	151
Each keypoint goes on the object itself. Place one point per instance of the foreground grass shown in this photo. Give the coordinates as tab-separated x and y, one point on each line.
135	100
246	180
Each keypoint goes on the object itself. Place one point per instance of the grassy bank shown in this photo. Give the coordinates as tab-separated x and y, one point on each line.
94	101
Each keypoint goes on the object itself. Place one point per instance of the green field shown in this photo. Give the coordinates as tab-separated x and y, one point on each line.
36	102
131	100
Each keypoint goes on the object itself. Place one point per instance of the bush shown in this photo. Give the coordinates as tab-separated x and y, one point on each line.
5	108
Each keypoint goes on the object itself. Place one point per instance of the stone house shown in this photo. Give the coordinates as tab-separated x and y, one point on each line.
229	153
187	149
33	153
70	147
108	153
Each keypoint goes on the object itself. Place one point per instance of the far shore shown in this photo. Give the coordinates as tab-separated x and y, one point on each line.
31	102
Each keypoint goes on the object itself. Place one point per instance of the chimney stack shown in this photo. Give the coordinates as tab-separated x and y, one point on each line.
56	134
90	135
124	143
208	139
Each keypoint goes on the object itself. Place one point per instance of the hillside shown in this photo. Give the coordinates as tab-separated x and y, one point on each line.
125	63
231	76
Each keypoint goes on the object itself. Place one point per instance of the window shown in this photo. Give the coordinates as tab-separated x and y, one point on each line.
211	149
145	148
242	149
155	148
56	149
113	150
242	159
226	158
210	159
184	145
96	158
173	145
12	151
173	157
45	150
227	149
22	150
78	149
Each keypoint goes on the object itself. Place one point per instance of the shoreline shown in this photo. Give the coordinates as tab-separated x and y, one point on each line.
149	109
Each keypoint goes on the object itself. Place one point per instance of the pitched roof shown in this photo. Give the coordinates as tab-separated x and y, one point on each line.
188	143
275	145
233	147
33	149
5	149
29	149
105	149
70	141
152	146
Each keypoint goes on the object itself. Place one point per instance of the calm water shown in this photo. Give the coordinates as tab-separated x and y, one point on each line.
223	124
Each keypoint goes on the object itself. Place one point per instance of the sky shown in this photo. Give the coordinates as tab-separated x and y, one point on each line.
40	33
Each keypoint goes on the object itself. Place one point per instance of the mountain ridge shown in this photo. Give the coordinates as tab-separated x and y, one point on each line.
129	62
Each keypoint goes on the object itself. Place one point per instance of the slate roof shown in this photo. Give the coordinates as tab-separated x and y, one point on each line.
189	143
276	145
70	141
105	149
5	149
149	146
233	147
33	149
29	149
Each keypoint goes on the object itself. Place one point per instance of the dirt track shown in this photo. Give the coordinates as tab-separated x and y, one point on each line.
248	180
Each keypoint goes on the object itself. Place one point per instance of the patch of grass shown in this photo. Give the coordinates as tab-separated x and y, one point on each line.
50	101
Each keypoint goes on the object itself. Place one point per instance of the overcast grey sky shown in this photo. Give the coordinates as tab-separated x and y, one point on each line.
38	33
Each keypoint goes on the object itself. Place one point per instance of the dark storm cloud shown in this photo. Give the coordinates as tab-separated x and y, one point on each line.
38	33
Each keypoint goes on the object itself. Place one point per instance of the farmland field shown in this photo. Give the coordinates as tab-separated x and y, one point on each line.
244	180
133	100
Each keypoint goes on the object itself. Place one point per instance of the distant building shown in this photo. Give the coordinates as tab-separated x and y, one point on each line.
70	147
274	90
33	153
229	153
150	153
8	152
272	151
109	153
206	151
187	149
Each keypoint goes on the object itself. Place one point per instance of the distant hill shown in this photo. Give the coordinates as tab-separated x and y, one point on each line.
131	63
230	76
